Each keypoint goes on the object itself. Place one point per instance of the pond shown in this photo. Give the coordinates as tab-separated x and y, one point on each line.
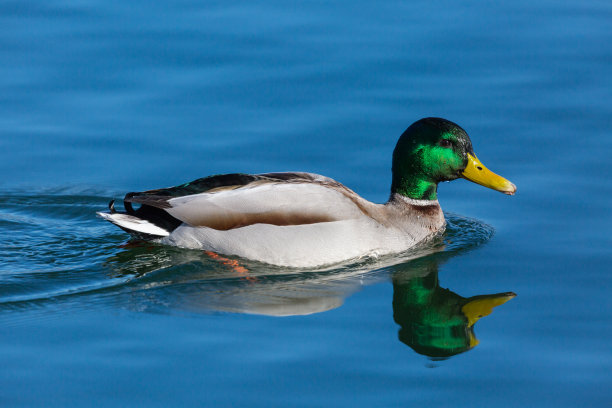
510	307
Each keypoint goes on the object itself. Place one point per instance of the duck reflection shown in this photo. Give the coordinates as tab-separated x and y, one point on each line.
433	321
196	281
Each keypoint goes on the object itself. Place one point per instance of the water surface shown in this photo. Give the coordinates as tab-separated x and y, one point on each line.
101	98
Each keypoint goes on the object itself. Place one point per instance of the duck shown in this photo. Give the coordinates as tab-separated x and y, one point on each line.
306	220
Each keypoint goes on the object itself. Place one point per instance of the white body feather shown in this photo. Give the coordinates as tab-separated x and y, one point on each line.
296	245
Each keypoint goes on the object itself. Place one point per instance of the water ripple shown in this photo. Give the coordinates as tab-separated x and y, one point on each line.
55	248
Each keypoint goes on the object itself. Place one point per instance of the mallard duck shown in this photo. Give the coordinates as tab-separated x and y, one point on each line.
308	220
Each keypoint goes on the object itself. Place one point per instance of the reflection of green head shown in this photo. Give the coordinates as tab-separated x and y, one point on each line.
431	150
435	321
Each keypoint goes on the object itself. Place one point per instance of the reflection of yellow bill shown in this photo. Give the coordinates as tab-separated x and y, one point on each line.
481	306
475	171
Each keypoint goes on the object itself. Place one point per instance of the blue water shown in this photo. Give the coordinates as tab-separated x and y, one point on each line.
98	98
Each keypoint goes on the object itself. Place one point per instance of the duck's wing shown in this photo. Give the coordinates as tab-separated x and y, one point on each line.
236	200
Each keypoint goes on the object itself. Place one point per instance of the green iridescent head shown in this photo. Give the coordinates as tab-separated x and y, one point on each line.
432	150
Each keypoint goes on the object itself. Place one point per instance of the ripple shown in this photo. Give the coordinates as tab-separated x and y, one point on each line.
55	248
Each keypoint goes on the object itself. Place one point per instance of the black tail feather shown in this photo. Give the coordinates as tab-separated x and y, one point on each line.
154	215
128	205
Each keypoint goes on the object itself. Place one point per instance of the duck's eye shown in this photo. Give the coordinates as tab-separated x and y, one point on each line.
445	143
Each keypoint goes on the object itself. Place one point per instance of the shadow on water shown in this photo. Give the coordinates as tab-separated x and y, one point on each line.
67	262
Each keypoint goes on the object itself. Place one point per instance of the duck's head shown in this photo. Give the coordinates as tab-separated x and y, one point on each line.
432	150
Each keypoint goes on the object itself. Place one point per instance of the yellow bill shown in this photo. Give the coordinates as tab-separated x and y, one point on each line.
475	171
